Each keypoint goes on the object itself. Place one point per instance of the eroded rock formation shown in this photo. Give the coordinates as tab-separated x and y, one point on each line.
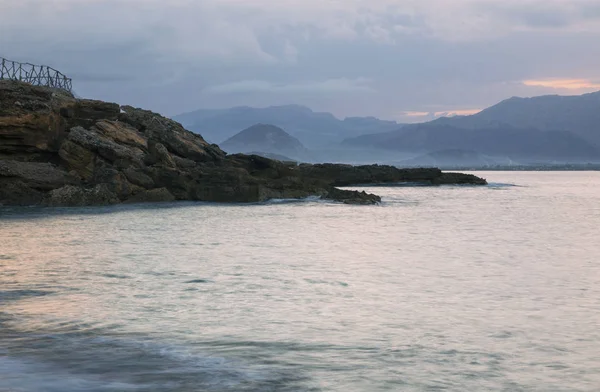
60	151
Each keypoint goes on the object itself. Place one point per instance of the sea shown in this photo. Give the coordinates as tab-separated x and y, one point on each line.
451	288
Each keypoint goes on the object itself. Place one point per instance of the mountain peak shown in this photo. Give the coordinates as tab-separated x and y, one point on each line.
314	129
266	138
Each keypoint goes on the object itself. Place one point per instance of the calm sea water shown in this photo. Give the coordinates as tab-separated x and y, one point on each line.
437	289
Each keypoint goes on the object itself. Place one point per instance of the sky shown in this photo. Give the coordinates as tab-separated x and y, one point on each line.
406	60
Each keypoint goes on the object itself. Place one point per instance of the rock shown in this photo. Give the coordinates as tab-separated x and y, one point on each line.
121	133
74	196
87	112
344	175
458	179
30	122
352	197
60	151
37	175
77	159
152	196
15	192
161	155
171	134
138	178
115	181
183	163
104	147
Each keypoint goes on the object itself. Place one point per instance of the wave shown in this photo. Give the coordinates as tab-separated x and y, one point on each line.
503	185
77	359
309	199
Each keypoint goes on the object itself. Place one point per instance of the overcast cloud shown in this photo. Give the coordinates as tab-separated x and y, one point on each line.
394	59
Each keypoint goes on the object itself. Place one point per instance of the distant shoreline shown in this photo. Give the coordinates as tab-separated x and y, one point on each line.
583	167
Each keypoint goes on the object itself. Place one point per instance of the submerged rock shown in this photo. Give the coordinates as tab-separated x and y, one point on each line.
60	151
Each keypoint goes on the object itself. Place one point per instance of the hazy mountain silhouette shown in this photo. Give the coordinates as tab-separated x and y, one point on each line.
266	139
541	128
313	129
579	114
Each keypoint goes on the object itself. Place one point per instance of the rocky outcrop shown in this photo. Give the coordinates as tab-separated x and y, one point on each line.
60	151
345	175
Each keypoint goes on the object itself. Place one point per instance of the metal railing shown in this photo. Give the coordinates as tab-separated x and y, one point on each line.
37	75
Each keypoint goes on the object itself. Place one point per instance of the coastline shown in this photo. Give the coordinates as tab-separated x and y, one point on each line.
56	150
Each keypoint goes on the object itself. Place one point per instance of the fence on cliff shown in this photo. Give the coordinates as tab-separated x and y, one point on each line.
37	75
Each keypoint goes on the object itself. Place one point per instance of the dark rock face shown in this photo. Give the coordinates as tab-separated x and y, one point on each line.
458	179
59	151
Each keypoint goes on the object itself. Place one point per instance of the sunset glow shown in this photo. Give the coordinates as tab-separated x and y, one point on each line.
460	112
568	84
416	114
443	113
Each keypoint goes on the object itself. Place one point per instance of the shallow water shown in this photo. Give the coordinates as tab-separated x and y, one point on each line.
452	288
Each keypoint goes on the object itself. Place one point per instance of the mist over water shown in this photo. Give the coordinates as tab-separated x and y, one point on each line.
451	288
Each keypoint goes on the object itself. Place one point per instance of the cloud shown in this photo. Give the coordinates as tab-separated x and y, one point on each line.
566	84
459	112
419	116
261	86
415	114
351	57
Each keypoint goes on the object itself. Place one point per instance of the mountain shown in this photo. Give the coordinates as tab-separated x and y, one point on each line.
516	143
579	114
266	139
546	128
313	129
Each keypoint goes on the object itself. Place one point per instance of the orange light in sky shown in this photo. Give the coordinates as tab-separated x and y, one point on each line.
569	84
445	113
415	114
460	112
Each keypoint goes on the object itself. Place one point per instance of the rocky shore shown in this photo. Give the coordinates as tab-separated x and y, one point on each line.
56	150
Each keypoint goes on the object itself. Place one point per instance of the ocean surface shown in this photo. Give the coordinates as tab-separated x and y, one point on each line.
458	288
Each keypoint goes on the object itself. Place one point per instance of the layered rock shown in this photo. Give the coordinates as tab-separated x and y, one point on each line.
60	151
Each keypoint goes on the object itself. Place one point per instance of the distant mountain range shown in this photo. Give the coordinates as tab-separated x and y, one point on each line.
266	140
313	129
563	128
548	128
451	158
